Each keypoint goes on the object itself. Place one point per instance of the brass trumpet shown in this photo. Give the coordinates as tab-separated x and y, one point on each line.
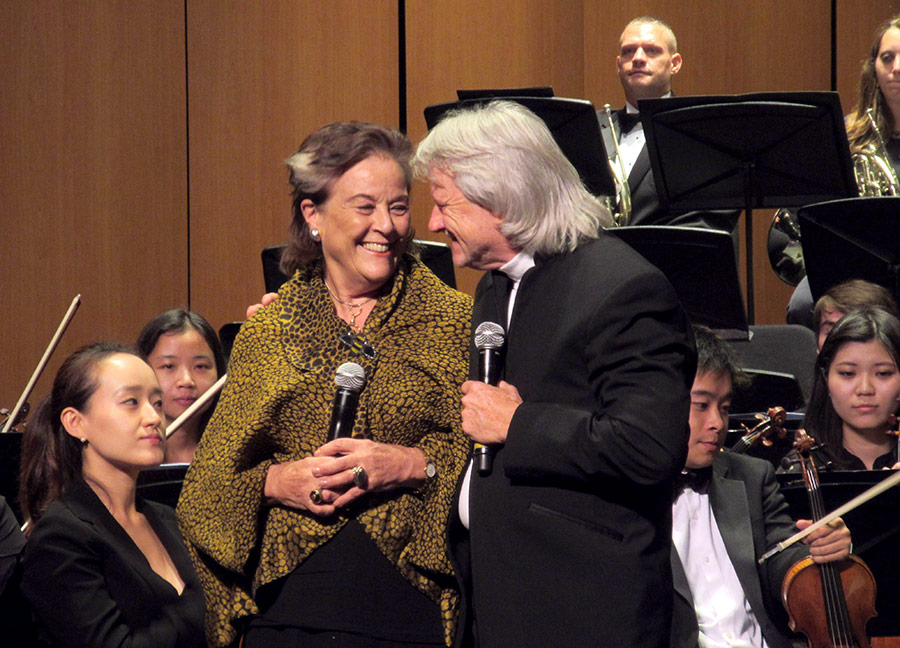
623	215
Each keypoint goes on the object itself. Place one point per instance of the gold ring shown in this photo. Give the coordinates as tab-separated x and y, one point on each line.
315	496
360	478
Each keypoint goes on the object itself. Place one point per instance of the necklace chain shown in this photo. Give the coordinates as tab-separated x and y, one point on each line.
355	309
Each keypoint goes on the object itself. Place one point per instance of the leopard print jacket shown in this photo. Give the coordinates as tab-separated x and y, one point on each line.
276	407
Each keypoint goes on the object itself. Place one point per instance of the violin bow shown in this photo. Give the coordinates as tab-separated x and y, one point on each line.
43	363
196	405
860	499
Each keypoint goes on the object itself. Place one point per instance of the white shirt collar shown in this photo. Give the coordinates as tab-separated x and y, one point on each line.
516	267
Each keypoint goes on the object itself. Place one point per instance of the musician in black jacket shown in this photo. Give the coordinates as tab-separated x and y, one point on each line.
648	59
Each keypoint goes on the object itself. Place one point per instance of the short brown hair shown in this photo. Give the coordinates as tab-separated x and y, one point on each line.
851	295
325	156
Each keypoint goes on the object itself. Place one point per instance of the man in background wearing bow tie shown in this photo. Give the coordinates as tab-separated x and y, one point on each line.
648	59
727	513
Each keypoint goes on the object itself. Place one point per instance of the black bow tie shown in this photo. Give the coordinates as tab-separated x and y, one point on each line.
696	480
628	120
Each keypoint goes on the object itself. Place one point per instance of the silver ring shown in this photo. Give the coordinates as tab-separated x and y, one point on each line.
315	496
360	478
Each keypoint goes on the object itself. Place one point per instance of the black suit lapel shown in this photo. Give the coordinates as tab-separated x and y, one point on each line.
728	498
85	505
679	578
640	169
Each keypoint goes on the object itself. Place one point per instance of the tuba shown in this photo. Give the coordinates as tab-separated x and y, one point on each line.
872	168
622	213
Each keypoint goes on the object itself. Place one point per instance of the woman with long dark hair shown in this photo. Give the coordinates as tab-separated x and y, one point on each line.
856	390
187	358
879	90
101	566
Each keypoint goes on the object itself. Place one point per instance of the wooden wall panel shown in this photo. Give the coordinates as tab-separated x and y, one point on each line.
262	75
486	44
727	49
92	174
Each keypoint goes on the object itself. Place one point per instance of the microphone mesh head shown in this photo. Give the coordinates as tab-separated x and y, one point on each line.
489	335
350	376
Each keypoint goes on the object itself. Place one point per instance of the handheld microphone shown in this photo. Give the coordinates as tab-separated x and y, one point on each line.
489	338
350	378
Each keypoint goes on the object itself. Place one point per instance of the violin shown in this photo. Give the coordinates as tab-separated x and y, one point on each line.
831	602
772	422
7	424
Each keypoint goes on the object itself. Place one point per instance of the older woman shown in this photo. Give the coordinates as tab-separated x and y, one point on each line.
879	89
300	541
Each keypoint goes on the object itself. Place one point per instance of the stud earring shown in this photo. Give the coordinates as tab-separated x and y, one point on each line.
314	233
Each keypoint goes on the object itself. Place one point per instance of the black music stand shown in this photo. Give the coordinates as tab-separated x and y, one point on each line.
875	527
574	125
856	238
700	265
162	484
749	151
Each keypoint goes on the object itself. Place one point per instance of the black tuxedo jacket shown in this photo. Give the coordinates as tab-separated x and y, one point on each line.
570	535
90	585
645	206
752	517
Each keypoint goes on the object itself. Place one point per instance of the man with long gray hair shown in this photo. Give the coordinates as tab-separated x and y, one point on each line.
565	540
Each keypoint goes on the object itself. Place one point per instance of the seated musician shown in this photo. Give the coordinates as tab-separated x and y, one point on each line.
647	60
728	514
855	392
879	89
103	568
187	358
843	298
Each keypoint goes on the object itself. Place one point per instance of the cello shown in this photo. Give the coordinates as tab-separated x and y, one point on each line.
831	602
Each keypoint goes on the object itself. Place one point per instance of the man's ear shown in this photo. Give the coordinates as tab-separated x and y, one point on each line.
676	63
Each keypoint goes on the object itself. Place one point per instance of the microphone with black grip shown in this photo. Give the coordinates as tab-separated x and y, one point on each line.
489	338
350	378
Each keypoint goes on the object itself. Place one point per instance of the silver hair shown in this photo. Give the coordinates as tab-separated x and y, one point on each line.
650	20
504	159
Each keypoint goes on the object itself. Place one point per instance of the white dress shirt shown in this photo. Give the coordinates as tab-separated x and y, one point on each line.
632	143
724	616
515	269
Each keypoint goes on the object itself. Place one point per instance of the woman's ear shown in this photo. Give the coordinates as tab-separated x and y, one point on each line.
310	213
73	422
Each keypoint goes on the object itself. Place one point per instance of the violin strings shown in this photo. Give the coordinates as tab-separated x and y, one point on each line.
832	589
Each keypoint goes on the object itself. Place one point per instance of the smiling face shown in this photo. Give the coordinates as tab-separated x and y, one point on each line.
887	66
710	401
475	237
864	385
645	62
185	367
363	226
122	421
